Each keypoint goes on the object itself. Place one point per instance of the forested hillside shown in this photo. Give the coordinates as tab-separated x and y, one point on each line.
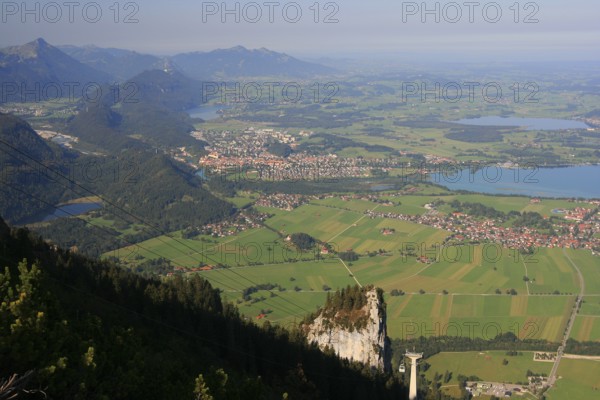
90	330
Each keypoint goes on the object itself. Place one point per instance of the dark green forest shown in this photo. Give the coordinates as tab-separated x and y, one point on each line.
91	330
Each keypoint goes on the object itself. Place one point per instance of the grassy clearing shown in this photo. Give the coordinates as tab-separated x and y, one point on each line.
579	379
486	365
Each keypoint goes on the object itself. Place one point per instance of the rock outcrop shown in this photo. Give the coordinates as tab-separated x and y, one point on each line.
358	334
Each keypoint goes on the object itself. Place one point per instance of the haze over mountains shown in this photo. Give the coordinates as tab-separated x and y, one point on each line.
151	112
39	63
221	63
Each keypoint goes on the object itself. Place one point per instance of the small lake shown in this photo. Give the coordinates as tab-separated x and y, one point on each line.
530	124
206	112
381	187
564	182
69	210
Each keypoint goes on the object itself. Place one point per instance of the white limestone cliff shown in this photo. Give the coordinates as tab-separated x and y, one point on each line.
365	342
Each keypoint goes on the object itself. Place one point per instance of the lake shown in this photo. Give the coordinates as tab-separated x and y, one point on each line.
381	187
69	210
530	124
565	182
206	112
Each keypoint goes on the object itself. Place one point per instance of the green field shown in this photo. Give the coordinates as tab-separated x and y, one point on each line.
288	305
477	316
589	266
487	366
459	290
550	270
586	328
578	379
466	269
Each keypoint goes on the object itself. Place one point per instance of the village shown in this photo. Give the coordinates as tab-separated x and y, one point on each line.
576	233
246	156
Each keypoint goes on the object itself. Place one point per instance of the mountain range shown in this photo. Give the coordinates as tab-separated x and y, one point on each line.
241	62
38	64
38	61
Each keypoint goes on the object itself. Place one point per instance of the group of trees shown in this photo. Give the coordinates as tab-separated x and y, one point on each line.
346	307
324	143
532	219
436	344
477	210
302	241
348	255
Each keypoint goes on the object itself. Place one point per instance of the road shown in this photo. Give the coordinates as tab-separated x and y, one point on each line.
353	224
561	349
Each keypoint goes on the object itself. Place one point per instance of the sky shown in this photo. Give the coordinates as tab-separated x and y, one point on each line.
463	30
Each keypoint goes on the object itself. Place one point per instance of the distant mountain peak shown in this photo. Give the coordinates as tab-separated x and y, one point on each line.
38	62
40	42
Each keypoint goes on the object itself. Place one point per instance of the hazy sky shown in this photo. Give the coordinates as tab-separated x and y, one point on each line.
564	28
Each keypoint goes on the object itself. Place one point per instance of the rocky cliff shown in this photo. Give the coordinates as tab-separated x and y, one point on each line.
353	328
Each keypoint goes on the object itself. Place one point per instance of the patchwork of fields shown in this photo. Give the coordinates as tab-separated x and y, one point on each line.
464	292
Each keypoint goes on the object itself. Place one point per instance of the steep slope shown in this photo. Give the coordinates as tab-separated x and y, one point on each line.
90	330
37	175
167	89
26	162
149	116
38	63
353	324
99	125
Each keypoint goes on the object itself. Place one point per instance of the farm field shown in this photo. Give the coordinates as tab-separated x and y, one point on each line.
579	379
586	328
550	270
486	365
587	322
303	284
352	229
455	295
463	269
589	266
241	249
477	316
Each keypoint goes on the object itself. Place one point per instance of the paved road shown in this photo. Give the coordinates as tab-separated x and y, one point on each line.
561	349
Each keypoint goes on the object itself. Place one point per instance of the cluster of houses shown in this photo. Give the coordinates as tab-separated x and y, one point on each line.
186	270
246	152
264	166
282	201
576	235
239	223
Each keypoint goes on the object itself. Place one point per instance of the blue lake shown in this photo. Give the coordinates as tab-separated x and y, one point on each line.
69	210
381	187
530	124
206	112
564	182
